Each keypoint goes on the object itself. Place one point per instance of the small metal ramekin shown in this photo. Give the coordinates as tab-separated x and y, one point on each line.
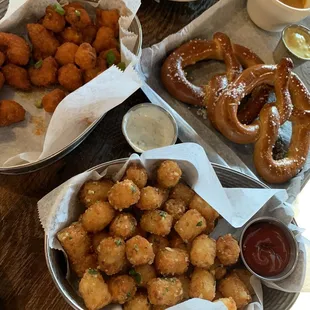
292	242
282	50
138	106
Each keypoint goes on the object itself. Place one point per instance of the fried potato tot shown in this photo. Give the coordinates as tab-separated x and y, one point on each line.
86	57
156	222
89	33
158	242
42	40
44	73
70	77
72	35
97	238
94	290
93	191
228	302
232	286
123	288
139	251
168	174
123	195
227	250
112	255
51	100
218	270
165	291
177	242
16	48
182	192
66	53
98	216
136	174
175	207
78	18
124	225
16	77
142	274
202	285
150	198
90	74
75	5
111	56
2	59
138	302
108	18
104	40
185	285
203	251
2	80
245	276
10	113
53	20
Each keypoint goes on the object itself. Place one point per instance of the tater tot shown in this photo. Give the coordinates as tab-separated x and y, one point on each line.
76	5
94	290
190	225
78	18
93	191
228	302
16	77
104	39
90	74
138	302
245	276
170	261
227	250
72	35
139	251
109	19
44	73
232	286
185	285
143	274
218	270
156	222
150	198
136	174
124	226
66	53
11	112
89	33
70	77
203	251
53	20
175	207
97	238
168	174
156	307
51	100
122	288
158	242
202	285
2	58
86	57
123	195
111	56
183	192
177	242
111	255
165	291
164	192
98	216
204	208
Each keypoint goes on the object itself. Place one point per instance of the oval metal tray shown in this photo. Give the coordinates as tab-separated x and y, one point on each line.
56	263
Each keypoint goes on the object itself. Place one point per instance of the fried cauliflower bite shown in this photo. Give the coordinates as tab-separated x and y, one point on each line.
138	302
89	33
112	255
182	192
227	250
245	276
124	225
123	195
111	56
86	57
202	285
78	18
15	48
142	274
72	35
66	53
203	251
123	288
93	191
168	174
42	40
170	261
44	73
228	302
51	100
139	251
158	242
136	174
232	286
10	113
2	59
165	291
90	74
150	198
97	238
104	39
156	222
94	290
175	207
16	77
70	77
108	18
53	20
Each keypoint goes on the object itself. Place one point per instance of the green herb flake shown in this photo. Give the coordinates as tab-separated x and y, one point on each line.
199	223
136	247
163	214
121	66
167	289
135	275
110	58
118	242
128	295
77	13
92	271
38	104
38	64
59	9
133	189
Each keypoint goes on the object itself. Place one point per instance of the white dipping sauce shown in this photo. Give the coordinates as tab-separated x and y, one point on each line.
148	127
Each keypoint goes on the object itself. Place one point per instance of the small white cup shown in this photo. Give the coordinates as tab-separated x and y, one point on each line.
274	15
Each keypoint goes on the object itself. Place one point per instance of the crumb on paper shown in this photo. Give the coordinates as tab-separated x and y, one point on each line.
39	125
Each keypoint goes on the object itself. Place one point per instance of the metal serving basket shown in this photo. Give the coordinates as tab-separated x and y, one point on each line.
229	178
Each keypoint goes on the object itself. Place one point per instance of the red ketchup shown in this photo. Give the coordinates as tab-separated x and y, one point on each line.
266	249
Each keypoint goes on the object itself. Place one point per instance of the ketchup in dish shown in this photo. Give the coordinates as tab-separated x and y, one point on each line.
266	249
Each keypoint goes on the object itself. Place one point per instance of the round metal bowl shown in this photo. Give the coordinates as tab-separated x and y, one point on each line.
31	167
229	178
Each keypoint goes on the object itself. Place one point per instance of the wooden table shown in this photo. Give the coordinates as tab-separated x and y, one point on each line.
25	282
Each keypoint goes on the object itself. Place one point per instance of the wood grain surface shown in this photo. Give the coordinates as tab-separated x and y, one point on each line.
25	282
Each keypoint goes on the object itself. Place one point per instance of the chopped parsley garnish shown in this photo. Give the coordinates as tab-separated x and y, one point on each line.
38	64
135	275
118	242
128	295
110	58
133	189
199	223
136	248
163	214
38	104
121	66
77	13
59	9
167	289
92	271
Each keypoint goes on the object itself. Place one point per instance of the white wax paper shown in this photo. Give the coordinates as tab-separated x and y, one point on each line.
43	134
